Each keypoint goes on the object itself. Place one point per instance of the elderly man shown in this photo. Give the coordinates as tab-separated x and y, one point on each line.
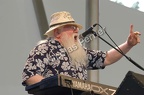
62	52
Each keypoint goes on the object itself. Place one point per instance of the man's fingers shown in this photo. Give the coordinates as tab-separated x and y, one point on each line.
137	34
131	29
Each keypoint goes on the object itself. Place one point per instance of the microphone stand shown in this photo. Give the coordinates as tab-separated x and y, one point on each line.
131	60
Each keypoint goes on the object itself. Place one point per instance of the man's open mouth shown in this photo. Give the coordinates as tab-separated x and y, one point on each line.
75	37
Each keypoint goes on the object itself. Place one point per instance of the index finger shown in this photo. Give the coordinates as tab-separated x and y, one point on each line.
131	29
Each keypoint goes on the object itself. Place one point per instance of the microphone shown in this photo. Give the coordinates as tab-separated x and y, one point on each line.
88	31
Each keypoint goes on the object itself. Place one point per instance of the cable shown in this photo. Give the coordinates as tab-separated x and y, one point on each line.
110	38
68	82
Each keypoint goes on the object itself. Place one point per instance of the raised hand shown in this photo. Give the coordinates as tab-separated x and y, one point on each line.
134	37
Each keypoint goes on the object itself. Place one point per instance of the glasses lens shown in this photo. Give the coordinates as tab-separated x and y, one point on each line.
74	28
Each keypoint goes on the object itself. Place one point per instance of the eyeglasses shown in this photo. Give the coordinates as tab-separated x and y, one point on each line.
73	27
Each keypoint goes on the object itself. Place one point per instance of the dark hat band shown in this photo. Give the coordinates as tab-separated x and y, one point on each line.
62	23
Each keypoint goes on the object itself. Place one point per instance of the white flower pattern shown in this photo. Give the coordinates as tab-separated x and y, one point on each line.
50	58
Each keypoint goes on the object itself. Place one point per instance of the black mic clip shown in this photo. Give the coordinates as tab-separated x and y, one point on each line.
88	31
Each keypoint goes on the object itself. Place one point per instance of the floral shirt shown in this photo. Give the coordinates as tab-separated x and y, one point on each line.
50	58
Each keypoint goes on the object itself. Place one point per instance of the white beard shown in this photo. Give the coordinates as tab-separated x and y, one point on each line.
75	50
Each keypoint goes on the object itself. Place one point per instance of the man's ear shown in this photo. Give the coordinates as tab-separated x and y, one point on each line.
57	33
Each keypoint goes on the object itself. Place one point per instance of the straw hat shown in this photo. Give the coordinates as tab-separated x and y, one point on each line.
59	19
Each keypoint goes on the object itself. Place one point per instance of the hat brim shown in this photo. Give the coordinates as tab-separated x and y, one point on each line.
49	32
